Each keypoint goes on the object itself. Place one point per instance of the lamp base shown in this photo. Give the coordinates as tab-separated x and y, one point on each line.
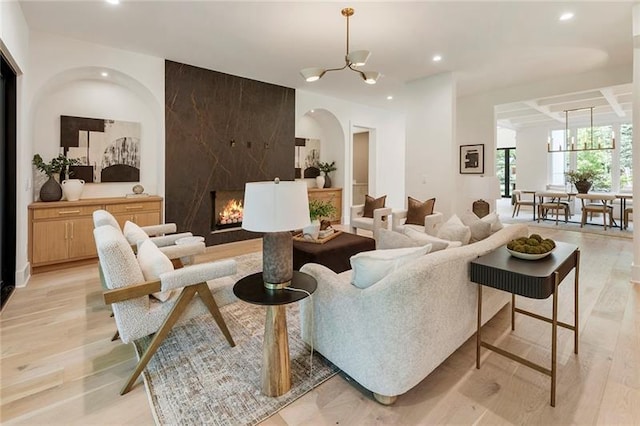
277	260
480	208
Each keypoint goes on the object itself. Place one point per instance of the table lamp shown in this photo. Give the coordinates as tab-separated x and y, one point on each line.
481	188
276	208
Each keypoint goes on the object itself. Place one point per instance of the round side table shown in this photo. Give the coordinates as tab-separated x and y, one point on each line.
276	375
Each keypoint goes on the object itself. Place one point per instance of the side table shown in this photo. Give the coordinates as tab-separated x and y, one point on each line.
537	279
276	375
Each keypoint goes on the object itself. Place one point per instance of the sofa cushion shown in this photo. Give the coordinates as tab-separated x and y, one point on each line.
388	239
422	239
370	204
153	263
454	230
479	228
494	220
417	210
369	267
133	233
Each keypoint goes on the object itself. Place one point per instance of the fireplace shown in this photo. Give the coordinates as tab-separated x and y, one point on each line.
226	213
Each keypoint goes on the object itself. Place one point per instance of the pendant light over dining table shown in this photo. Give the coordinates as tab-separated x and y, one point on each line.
352	60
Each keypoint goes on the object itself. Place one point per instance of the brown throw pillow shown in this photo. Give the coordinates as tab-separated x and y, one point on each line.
370	204
418	210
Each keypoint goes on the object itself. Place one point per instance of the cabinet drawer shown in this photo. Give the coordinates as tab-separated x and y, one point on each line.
133	207
63	212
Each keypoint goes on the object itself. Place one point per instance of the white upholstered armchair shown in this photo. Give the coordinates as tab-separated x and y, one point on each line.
130	280
431	222
380	219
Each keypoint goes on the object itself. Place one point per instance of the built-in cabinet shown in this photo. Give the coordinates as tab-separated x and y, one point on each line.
61	232
332	195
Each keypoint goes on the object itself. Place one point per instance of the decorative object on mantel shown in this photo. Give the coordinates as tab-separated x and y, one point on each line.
482	188
72	189
327	168
320	181
582	179
51	190
352	60
572	144
138	191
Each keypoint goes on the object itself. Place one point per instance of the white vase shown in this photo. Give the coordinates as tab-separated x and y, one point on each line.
312	231
72	189
320	181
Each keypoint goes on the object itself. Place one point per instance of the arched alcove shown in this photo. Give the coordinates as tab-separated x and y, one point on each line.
84	92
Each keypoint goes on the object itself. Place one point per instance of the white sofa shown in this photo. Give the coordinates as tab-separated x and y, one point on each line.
390	336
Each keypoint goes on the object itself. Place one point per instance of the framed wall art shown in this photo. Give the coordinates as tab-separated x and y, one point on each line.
472	159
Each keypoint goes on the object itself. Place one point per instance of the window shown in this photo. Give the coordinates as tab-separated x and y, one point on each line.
626	163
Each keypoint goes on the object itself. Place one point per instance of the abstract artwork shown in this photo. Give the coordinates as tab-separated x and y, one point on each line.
472	159
108	150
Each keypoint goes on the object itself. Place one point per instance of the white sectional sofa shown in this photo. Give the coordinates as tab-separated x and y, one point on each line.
390	336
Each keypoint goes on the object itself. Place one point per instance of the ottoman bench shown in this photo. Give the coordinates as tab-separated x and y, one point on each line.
334	254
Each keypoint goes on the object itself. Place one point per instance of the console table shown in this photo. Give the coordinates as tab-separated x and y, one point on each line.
536	279
276	375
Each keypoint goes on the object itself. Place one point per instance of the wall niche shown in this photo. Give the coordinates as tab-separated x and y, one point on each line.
221	132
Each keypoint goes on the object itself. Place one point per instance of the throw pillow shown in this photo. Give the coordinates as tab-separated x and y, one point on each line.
369	267
388	239
153	263
418	210
370	204
494	220
421	239
133	233
454	230
479	229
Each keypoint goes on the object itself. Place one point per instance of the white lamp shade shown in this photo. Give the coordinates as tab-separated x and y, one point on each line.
275	207
312	74
370	77
359	57
483	187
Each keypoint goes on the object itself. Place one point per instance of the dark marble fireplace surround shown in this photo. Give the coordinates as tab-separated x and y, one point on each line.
221	132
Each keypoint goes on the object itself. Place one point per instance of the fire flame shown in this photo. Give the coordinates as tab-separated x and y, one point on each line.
231	213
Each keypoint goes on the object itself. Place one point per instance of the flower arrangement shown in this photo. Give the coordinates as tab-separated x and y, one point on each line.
56	165
318	209
327	168
582	175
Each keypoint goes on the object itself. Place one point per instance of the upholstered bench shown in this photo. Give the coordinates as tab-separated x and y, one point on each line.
334	254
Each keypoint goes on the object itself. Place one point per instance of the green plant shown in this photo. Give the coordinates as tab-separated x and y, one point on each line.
581	175
327	168
56	165
318	209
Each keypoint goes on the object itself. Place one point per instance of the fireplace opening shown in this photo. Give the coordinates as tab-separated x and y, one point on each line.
227	209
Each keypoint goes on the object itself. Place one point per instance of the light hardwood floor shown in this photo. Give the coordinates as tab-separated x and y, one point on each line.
60	367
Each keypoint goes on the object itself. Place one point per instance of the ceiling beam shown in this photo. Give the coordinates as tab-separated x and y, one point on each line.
615	105
545	110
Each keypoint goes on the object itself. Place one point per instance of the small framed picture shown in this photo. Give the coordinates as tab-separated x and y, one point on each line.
472	159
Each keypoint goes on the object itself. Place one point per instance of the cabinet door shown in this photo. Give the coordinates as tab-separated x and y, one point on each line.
50	241
81	242
147	218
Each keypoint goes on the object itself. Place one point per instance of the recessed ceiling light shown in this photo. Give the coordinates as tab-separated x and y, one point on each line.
437	58
113	1
566	16
313	110
104	74
389	97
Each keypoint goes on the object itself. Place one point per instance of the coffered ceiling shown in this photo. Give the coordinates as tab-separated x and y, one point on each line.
488	45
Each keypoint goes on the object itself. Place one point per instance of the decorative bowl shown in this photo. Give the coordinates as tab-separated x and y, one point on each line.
528	256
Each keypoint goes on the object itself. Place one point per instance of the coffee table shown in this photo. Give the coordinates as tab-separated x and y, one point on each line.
335	254
536	279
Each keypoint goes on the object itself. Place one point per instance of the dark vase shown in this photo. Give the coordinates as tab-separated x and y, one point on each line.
583	186
327	181
51	190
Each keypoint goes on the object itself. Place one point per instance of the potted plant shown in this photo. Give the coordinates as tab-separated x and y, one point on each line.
51	190
317	210
327	168
582	179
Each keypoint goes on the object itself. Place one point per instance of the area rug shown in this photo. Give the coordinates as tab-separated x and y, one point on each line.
196	378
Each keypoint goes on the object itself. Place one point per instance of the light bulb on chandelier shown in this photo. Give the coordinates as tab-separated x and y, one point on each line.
357	58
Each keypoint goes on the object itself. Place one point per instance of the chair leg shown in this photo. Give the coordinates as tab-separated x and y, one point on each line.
206	296
583	220
180	306
515	208
116	336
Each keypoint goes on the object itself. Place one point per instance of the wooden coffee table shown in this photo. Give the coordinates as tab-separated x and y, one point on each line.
334	254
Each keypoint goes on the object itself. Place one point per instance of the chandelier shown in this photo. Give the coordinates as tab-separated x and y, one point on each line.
572	144
352	60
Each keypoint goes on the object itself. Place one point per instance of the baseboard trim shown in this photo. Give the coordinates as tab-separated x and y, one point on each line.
635	274
23	275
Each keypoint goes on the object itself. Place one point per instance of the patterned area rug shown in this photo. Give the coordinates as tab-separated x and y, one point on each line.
196	378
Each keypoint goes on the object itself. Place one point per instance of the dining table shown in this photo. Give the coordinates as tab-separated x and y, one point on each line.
623	197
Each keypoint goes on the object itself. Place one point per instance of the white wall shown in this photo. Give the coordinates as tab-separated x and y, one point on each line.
387	142
431	168
635	271
532	158
14	35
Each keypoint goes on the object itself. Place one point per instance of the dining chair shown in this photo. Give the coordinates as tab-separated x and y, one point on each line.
627	213
590	206
519	201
